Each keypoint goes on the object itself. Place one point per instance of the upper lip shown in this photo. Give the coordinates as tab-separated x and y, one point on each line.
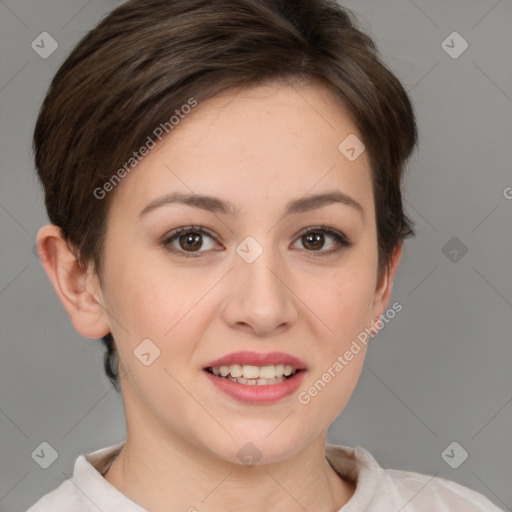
257	359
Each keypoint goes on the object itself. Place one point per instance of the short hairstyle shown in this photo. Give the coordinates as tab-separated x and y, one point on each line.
148	58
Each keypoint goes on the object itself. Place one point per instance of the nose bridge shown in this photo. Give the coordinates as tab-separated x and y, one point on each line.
260	296
257	264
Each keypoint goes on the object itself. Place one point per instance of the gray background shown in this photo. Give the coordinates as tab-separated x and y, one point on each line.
438	373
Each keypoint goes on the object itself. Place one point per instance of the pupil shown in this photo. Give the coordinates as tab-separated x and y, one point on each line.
314	238
194	239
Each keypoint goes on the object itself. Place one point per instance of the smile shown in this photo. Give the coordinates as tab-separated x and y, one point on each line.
254	375
256	378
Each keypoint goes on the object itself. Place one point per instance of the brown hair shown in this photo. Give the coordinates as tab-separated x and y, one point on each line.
148	58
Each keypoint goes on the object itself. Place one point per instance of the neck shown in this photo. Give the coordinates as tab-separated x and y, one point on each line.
179	476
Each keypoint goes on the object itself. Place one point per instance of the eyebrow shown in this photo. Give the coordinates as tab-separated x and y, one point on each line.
216	205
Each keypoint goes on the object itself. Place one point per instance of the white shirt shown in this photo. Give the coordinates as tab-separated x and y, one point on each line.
377	489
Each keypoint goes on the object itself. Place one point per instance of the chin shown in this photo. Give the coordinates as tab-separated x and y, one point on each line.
257	446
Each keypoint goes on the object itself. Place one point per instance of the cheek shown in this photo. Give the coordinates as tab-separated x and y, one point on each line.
344	308
144	304
173	308
164	319
153	296
342	302
342	313
328	391
353	294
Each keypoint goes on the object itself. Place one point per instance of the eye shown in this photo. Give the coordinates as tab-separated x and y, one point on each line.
187	240
313	239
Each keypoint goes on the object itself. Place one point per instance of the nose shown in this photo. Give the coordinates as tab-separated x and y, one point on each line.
259	298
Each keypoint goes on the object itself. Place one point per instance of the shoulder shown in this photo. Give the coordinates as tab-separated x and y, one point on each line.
87	489
379	489
62	499
424	493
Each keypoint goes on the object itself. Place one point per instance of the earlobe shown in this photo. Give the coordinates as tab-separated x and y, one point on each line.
72	283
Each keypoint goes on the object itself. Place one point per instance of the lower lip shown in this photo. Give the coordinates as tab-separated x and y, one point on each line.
254	394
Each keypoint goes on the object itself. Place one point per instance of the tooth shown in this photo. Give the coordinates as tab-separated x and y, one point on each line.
267	372
279	370
256	382
235	370
250	372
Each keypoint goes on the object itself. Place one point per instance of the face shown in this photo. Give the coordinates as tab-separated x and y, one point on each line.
284	279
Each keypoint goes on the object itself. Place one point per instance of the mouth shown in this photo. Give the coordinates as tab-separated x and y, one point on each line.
256	378
251	375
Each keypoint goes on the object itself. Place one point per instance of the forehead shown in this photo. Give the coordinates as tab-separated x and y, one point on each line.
254	145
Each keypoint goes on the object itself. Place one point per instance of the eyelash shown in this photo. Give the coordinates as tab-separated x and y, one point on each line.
341	240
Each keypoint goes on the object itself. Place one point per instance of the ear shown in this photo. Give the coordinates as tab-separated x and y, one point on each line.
385	286
78	289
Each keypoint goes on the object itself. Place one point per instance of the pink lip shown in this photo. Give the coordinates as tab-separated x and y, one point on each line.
254	394
257	359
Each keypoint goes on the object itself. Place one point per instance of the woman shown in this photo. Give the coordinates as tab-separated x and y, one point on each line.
223	182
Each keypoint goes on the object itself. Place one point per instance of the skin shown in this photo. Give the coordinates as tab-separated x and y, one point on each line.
257	148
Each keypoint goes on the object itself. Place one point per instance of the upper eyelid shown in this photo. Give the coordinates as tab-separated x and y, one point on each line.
186	229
